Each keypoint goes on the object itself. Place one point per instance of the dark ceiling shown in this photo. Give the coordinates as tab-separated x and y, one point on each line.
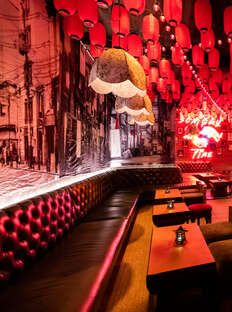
218	7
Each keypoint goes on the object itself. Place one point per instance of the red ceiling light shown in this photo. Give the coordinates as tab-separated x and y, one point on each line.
164	68
227	21
176	90
153	75
88	12
154	52
119	42
65	7
186	74
173	11
177	55
217	76
203	15
144	61
73	26
97	35
134	45
120	20
150	28
197	56
183	37
161	85
204	73
96	51
104	4
135	7
207	40
213	59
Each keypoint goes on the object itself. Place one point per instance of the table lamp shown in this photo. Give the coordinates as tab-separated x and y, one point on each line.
170	204
180	235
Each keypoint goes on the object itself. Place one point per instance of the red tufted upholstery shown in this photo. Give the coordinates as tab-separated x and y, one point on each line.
200	210
191	166
30	228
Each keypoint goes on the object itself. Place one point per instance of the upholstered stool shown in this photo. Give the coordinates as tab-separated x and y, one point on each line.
200	210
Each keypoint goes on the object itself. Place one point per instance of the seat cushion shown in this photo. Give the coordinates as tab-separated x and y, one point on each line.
62	279
189	190
216	231
116	206
200	207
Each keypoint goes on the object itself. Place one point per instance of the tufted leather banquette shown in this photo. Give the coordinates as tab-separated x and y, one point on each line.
73	275
195	166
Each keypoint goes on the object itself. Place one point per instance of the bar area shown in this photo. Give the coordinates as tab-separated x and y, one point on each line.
115	155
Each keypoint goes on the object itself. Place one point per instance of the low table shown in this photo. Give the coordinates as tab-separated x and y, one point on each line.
162	196
175	267
220	186
163	216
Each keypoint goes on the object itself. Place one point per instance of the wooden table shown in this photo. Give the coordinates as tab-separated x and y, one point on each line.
162	197
163	216
171	266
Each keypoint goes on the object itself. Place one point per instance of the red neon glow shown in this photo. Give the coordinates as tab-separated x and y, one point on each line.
196	140
211	133
201	120
199	153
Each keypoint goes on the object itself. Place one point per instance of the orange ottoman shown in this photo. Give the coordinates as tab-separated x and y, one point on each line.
199	211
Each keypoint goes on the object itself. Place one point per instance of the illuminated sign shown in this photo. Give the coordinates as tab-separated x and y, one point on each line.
200	129
199	153
201	120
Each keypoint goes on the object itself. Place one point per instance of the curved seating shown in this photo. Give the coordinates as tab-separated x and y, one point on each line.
75	263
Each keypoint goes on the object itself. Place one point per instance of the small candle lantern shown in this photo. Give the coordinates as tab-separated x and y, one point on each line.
167	190
170	204
180	236
219	178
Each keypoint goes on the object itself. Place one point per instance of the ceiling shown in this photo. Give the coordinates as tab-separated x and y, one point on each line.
218	7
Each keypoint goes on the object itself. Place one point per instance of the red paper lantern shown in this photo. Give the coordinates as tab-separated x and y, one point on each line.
164	68
134	45
190	87
186	74
173	11
96	51
88	12
226	85
176	90
97	35
213	87
197	56
204	73
177	55
153	75
65	7
73	26
183	37
104	3
171	77
217	76
119	42
213	59
150	28
144	61
203	15
120	20
227	21
161	85
135	7
207	40
154	52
